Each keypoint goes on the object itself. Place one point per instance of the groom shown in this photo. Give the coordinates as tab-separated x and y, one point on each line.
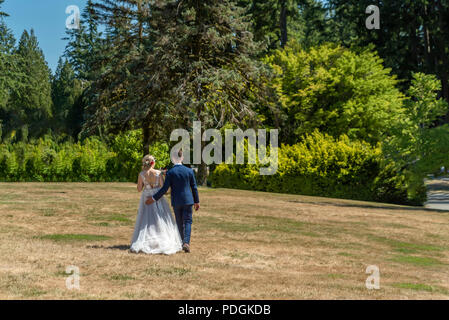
184	194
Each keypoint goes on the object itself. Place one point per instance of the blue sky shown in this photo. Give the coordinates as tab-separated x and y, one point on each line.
47	18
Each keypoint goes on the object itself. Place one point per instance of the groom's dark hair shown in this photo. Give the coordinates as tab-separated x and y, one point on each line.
180	153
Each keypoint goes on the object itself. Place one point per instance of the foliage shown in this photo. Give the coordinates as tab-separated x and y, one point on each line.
323	166
66	95
29	106
413	34
48	160
127	146
9	73
335	90
418	147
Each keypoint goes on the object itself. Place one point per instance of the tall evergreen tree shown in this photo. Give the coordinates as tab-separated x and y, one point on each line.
273	21
85	48
9	74
313	26
171	62
31	105
413	34
7	63
208	55
2	14
66	92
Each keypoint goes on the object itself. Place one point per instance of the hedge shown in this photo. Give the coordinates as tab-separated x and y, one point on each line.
323	166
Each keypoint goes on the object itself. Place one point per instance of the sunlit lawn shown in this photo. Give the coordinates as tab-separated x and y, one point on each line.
245	245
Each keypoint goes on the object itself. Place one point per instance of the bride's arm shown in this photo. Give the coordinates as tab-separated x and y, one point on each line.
139	183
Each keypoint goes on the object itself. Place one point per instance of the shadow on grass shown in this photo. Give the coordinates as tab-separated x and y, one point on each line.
122	247
380	206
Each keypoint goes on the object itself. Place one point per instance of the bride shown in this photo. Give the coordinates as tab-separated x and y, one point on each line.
156	231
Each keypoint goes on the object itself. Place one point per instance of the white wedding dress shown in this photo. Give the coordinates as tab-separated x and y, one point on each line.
156	231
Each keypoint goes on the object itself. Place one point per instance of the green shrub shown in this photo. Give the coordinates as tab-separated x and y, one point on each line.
92	160
323	166
128	148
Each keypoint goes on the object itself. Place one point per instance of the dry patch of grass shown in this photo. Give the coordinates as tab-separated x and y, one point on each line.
245	245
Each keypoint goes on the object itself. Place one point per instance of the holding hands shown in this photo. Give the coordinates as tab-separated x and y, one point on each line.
149	201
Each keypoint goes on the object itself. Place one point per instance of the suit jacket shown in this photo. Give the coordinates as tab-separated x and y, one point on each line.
182	182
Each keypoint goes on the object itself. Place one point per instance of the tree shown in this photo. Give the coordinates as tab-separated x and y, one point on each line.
213	71
2	14
115	63
273	21
178	62
336	91
313	26
413	35
86	45
8	68
66	92
418	147
30	106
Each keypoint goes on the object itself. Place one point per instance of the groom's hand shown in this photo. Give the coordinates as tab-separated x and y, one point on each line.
149	201
196	206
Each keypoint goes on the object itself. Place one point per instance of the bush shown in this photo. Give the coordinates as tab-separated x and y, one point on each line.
128	148
323	166
335	90
91	160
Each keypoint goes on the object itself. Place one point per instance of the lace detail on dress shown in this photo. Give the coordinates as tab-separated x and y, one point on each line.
148	185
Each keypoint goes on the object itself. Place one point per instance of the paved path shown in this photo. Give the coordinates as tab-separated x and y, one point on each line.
438	194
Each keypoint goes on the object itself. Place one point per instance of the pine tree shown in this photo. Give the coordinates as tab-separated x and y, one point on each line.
168	63
9	75
66	91
85	48
2	14
273	21
205	53
31	105
413	35
7	63
313	27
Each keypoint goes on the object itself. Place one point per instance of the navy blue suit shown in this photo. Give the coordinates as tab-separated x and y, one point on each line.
184	193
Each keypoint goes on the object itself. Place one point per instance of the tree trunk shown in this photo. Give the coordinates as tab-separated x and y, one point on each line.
283	23
201	176
442	47
146	137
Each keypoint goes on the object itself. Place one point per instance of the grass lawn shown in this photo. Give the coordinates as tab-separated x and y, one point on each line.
245	245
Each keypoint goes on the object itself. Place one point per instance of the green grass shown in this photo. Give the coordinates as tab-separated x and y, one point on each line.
121	277
407	247
420	287
171	271
346	254
417	261
73	237
111	217
254	224
335	276
101	224
48	213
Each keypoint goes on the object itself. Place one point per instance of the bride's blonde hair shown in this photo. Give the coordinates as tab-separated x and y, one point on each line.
147	162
